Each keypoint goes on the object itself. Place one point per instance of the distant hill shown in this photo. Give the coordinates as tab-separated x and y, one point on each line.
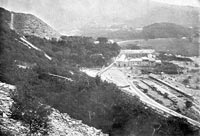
27	24
165	37
176	46
153	31
173	45
166	30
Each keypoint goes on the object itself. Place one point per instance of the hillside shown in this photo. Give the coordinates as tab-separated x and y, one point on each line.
59	124
165	37
46	72
177	46
172	45
27	24
165	30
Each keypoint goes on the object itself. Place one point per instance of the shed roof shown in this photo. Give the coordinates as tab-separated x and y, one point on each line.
146	51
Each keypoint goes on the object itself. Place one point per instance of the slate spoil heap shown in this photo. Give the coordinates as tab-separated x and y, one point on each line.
60	124
7	125
64	125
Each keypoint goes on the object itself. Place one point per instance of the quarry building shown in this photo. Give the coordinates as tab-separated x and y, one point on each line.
137	58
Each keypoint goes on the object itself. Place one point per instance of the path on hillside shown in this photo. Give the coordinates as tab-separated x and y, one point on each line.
24	41
12	21
108	67
105	69
59	76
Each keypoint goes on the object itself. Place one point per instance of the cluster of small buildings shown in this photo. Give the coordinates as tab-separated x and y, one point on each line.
137	58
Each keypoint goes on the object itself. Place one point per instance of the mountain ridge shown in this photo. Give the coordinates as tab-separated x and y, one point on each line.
29	24
185	16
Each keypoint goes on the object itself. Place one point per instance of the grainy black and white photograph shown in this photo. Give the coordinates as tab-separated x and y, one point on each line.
99	68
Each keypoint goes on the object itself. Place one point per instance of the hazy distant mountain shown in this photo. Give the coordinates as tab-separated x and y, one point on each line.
186	16
155	13
28	24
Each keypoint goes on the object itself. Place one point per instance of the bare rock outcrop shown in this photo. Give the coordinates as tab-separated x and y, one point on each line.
27	24
59	124
9	126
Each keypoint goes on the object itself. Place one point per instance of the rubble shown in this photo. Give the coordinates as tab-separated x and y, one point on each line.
7	125
59	124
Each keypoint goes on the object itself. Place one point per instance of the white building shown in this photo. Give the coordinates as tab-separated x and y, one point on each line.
137	58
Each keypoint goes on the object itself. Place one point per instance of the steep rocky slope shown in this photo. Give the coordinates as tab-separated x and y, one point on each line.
9	126
63	124
59	123
28	24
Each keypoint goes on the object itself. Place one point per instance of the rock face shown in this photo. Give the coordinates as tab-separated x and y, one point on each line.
9	126
63	125
60	124
27	24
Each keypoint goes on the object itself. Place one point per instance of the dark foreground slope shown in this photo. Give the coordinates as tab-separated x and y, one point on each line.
91	100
